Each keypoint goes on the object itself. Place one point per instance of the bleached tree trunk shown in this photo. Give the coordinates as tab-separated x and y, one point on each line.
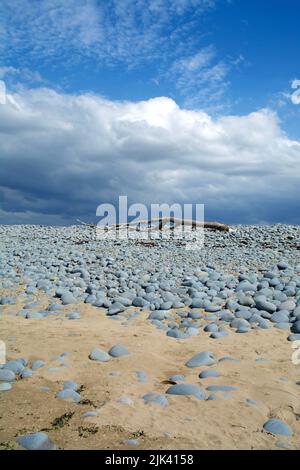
163	221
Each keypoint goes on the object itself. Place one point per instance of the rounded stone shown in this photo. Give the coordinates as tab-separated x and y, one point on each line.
7	375
245	314
177	378
118	350
89	414
204	358
15	365
249	401
166	305
279	317
222	388
141	376
73	316
7	301
37	364
211	327
262	304
209	373
176	333
295	337
125	401
296	327
70	385
36	315
68	298
26	373
99	355
155	398
227	317
187	389
192	331
132	442
219	334
211	397
195	315
36	441
212	308
158	315
5	386
277	427
68	395
282	265
139	302
197	303
288	305
282	325
264	324
243	330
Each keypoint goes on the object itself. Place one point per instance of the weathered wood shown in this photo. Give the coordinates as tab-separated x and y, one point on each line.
86	223
162	221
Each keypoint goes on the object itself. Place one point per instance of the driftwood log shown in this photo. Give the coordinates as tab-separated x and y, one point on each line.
161	223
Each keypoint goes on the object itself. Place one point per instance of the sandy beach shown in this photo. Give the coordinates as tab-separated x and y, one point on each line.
186	423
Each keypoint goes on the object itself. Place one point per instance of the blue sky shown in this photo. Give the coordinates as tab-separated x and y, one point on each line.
191	97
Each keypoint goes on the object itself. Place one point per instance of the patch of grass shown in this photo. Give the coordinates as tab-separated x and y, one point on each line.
21	432
7	446
85	432
62	420
139	433
59	422
87	401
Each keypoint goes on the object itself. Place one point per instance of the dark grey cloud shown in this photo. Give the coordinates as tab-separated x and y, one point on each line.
62	155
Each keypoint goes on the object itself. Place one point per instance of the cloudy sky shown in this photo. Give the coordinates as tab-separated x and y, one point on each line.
174	101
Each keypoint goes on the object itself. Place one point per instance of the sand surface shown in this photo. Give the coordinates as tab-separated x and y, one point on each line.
228	422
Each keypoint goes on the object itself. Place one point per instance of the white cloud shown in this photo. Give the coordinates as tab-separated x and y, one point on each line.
112	31
62	155
48	28
295	96
201	79
196	62
163	35
23	74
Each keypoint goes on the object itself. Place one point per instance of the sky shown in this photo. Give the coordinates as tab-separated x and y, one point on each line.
165	101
